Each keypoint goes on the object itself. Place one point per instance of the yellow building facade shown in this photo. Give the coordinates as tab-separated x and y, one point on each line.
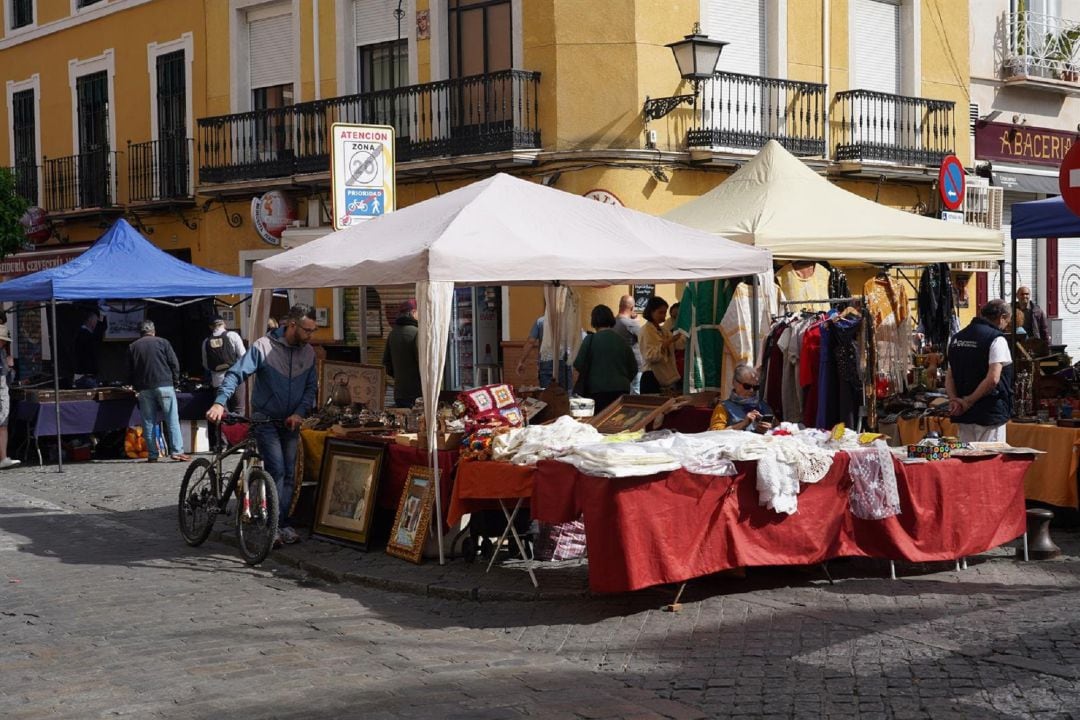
871	93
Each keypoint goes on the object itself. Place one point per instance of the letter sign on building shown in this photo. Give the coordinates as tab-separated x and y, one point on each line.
362	172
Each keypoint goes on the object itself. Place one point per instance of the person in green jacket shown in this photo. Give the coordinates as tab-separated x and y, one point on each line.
605	360
402	356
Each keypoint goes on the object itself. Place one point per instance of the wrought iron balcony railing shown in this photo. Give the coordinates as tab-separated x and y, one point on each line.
876	126
1042	46
159	170
745	111
79	182
478	114
26	181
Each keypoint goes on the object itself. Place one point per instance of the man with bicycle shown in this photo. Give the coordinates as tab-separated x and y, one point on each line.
283	363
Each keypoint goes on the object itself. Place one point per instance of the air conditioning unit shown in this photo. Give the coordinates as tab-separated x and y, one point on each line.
983	206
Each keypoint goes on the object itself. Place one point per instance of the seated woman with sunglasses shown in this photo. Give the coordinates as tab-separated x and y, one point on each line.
744	410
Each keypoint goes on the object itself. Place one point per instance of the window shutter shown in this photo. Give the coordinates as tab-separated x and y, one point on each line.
878	56
742	23
272	51
374	21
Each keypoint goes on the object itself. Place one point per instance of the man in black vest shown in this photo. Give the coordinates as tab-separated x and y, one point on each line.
980	377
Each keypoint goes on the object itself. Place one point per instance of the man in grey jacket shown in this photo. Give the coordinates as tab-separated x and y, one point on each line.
283	362
154	371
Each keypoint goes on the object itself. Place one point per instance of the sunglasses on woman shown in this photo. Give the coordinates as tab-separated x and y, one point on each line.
748	386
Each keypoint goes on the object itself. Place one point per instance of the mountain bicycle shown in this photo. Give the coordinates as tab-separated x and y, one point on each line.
204	496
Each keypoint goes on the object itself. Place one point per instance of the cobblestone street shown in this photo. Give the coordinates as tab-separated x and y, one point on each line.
104	612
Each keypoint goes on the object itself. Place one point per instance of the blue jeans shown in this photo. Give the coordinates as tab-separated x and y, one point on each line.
157	405
277	445
547	374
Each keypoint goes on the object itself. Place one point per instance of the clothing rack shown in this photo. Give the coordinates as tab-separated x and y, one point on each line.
853	298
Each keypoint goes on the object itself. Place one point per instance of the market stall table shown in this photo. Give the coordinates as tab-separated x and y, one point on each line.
396	464
1052	478
672	527
86	417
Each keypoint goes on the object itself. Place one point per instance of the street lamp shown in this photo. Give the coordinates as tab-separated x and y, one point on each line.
696	55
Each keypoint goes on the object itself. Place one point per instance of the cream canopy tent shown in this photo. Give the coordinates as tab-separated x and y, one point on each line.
775	201
501	230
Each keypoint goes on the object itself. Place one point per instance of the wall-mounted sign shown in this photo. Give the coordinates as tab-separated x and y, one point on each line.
21	263
362	172
642	295
951	182
1022	145
603	196
271	214
1069	179
36	225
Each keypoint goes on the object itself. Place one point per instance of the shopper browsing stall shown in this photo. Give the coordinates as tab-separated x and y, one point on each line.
744	410
657	350
154	371
980	377
606	363
401	358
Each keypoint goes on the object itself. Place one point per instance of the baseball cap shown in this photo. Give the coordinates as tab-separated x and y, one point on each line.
407	307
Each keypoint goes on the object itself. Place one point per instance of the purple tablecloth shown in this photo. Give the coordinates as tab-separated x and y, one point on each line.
83	417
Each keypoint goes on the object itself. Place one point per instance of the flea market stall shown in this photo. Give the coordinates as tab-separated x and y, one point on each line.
121	265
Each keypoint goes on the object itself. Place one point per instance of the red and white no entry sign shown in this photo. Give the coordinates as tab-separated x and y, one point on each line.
1069	178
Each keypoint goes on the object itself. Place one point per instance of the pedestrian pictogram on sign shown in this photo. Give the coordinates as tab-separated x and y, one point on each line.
1069	179
951	182
362	172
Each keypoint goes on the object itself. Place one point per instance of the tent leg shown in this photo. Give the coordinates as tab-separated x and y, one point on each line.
438	505
1001	279
56	390
754	324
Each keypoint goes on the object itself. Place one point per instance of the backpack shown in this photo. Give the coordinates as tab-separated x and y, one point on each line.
220	354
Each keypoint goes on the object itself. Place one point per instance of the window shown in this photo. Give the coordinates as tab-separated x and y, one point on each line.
480	37
22	13
87	3
271	128
24	133
172	155
383	66
93	159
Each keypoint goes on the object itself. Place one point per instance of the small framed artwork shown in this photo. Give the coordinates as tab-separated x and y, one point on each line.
322	316
123	320
631	412
413	515
366	383
348	481
229	316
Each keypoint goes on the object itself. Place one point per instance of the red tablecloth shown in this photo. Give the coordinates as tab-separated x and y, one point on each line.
688	419
479	484
676	526
398	460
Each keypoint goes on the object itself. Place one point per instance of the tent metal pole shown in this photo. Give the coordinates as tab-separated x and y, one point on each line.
56	390
753	322
1012	286
438	503
1001	279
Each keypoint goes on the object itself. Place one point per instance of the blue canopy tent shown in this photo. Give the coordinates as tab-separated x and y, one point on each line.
1049	218
122	264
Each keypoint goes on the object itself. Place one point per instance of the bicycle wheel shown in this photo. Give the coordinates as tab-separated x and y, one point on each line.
198	504
257	517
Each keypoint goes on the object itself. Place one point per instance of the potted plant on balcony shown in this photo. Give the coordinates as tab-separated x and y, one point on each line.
1064	54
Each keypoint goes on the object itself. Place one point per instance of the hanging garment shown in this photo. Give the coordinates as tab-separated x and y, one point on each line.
847	383
701	309
809	366
772	369
737	325
838	287
797	288
887	303
874	495
936	311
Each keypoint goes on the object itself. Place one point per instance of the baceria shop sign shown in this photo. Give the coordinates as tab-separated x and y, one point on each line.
1022	145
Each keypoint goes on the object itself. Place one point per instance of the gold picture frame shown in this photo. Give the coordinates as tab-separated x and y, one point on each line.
631	413
413	519
366	383
348	484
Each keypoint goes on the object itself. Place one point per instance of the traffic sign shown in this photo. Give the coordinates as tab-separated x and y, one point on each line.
1069	178
951	182
362	172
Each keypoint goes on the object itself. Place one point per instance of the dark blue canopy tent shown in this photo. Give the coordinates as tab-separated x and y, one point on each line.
122	264
1049	218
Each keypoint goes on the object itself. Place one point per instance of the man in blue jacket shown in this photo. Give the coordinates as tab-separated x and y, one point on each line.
283	364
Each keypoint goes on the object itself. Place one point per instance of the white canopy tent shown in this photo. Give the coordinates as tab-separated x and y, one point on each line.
501	230
776	201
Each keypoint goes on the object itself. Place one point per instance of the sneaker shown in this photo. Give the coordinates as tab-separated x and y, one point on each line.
288	536
278	542
9	462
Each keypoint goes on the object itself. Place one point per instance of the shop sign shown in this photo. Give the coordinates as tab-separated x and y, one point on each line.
1023	145
36	225
20	264
362	172
271	213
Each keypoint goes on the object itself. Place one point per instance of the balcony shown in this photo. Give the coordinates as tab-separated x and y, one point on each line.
878	127
26	181
1043	53
743	112
159	171
489	113
80	182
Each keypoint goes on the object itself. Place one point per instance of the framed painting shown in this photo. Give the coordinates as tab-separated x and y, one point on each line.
123	320
366	383
413	519
631	412
348	481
